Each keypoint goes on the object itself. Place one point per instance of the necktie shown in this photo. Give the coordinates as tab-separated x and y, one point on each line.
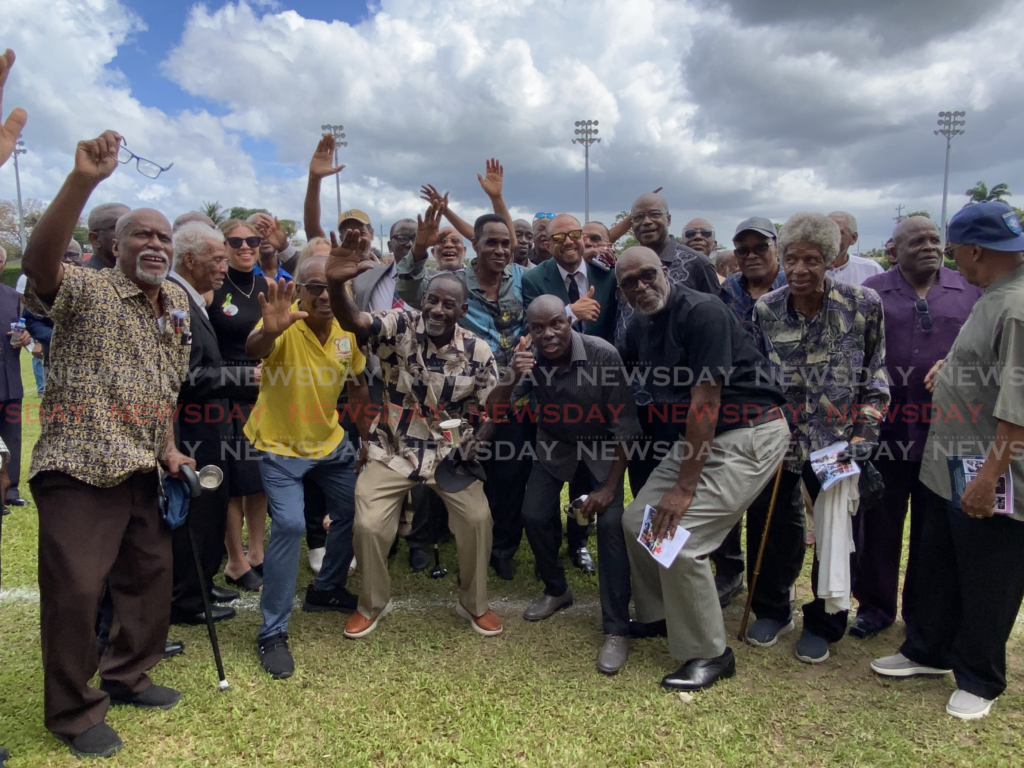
573	288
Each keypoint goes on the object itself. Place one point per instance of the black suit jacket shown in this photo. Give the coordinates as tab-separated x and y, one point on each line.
202	420
545	278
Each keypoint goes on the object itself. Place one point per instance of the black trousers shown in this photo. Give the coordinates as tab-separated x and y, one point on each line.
507	474
207	517
314	510
967	580
784	548
10	432
878	531
542	518
429	520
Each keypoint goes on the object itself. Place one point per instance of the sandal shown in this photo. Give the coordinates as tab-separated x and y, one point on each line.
250	581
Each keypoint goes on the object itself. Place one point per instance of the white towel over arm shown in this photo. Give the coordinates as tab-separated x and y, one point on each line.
833	529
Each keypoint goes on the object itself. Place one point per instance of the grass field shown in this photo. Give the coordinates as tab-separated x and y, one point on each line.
424	690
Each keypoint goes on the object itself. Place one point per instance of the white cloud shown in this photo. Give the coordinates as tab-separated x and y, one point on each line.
731	117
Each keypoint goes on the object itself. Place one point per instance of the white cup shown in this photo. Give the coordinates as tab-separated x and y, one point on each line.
451	430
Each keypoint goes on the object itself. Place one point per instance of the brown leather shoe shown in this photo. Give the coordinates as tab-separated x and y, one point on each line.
359	626
487	624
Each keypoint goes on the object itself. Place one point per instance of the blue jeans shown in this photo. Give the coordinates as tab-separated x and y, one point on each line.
37	371
282	482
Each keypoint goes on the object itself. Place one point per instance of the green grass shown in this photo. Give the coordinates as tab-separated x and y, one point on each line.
423	690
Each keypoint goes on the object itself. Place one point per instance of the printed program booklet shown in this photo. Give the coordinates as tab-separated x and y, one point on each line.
666	550
963	469
829	469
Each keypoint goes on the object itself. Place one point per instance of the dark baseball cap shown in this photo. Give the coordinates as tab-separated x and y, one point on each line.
757	224
993	225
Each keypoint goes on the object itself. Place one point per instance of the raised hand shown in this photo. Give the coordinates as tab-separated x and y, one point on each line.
347	259
427	227
587	308
429	193
277	307
322	163
492	183
10	130
270	229
97	158
523	359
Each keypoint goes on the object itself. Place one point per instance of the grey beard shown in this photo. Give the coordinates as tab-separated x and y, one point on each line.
148	277
660	305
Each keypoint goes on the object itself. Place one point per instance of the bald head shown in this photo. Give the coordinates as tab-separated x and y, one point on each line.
643	280
73	253
911	226
847	235
569	252
187	218
102	220
917	250
311	267
700	235
550	329
543	306
650	219
637	256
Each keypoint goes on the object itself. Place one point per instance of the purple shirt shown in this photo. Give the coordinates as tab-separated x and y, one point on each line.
911	351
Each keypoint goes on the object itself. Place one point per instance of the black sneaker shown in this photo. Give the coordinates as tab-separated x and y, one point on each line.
275	656
154	697
99	741
505	567
728	589
337	599
419	559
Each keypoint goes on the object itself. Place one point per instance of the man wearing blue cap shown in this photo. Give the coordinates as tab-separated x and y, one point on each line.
967	572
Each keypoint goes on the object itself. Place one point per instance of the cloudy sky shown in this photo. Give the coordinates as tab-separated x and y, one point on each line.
735	107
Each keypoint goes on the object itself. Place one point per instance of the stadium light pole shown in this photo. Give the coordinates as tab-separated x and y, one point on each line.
339	134
950	125
586	131
19	149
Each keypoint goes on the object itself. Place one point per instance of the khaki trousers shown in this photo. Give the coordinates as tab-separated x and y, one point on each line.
741	463
380	492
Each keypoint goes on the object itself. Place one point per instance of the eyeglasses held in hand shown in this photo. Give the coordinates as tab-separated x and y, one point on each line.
742	251
147	168
544	216
315	289
924	317
236	242
559	238
688	233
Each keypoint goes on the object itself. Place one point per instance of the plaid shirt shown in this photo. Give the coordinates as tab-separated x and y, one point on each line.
831	367
423	386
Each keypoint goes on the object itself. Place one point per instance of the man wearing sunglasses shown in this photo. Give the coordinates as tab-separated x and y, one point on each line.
700	235
541	252
967	571
755	252
924	306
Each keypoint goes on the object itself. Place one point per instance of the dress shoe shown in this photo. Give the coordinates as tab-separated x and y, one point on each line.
504	567
728	589
99	741
645	629
487	624
581	559
250	581
863	628
154	697
219	595
612	656
359	626
173	648
701	673
219	613
419	559
544	607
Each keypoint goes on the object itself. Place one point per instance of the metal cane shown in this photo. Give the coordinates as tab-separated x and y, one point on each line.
209	477
439	571
760	553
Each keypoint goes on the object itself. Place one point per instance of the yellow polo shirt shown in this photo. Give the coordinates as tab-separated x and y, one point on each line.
296	413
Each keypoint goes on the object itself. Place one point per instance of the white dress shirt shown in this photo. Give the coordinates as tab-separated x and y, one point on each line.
582	282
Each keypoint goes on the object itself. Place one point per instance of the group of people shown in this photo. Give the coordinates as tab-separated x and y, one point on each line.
351	398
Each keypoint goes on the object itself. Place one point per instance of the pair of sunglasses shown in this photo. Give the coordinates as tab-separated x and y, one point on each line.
688	233
315	289
574	234
544	216
236	242
924	316
742	251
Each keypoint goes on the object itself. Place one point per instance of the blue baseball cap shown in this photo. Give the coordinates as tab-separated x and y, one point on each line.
991	225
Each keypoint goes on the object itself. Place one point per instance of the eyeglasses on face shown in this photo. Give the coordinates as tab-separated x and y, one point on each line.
403	239
742	251
652	215
574	234
706	233
594	237
923	316
236	242
544	216
648	276
315	289
146	167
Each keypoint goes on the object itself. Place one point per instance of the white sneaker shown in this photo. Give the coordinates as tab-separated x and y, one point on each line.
899	665
316	559
967	706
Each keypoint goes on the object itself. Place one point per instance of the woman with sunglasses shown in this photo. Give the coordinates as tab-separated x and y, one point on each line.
234	312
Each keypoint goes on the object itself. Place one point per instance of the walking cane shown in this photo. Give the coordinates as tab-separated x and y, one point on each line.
195	481
760	553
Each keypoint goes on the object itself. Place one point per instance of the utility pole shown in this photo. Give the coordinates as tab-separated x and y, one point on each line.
899	213
19	149
586	130
338	131
950	125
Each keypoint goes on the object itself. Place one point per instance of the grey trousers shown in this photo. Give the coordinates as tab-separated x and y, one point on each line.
741	463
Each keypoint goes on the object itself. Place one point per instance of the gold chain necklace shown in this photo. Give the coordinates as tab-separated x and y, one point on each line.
251	289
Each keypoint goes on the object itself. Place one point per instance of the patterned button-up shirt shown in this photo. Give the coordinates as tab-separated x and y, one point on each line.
685	267
831	367
115	372
423	386
737	296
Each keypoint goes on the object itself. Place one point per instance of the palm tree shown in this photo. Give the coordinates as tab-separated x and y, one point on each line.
980	193
214	211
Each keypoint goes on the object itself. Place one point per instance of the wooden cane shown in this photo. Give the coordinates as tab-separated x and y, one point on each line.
760	553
